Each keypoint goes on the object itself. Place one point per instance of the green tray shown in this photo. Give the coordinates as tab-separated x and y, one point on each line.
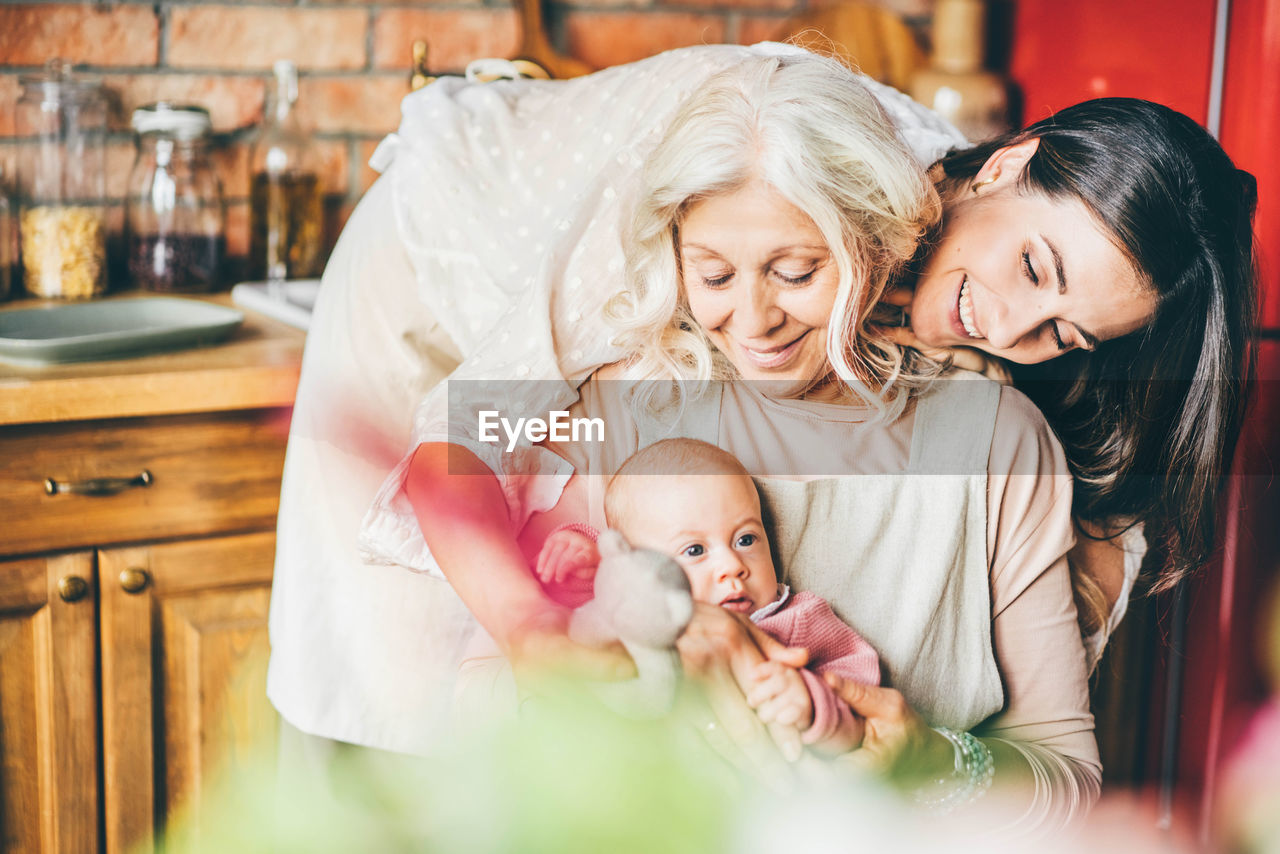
110	328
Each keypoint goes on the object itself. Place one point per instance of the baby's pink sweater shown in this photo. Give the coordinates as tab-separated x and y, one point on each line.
807	620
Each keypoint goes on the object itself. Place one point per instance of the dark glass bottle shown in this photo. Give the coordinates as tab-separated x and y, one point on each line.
285	213
175	234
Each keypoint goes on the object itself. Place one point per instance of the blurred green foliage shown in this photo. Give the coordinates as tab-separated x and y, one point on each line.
568	776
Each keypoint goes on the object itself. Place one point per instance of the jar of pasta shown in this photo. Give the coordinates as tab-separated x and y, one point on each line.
61	182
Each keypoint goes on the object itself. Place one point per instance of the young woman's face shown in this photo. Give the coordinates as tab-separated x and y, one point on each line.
761	282
1026	278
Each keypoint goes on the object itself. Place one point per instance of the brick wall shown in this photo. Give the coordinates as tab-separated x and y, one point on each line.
354	58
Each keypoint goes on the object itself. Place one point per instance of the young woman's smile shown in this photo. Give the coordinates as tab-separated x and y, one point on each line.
1026	277
761	282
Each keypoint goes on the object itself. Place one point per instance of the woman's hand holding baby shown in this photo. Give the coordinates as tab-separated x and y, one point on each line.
717	637
721	650
780	695
542	645
896	740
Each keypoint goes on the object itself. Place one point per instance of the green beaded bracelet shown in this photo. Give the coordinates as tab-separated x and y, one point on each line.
974	770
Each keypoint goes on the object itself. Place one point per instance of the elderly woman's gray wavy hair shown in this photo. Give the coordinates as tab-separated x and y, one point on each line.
809	128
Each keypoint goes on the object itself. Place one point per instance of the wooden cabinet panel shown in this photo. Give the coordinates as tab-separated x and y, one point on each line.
48	700
216	715
128	759
184	670
210	473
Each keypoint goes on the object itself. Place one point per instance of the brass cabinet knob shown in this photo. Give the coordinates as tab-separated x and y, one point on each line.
72	588
134	580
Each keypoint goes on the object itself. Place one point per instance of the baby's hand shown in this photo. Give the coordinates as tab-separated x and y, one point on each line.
567	555
779	695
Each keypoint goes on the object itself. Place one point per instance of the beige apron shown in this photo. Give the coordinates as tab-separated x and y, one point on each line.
901	558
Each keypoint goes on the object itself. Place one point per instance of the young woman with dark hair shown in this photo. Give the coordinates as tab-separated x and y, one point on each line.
1148	418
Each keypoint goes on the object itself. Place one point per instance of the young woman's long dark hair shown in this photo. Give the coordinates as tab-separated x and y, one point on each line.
1149	421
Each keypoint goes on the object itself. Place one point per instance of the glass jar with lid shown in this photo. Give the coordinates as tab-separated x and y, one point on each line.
174	225
61	119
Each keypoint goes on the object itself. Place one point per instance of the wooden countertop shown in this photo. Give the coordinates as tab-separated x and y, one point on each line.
256	366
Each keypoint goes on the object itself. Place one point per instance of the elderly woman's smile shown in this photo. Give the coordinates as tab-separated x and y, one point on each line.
761	282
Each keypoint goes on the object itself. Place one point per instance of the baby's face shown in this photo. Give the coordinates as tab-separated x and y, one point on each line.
710	524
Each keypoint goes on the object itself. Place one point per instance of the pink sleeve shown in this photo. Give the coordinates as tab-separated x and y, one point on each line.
808	621
833	646
578	527
831	715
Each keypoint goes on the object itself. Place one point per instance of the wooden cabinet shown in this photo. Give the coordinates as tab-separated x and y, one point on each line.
183	631
180	630
48	730
133	624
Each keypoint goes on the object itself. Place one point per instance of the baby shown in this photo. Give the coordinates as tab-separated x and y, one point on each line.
696	503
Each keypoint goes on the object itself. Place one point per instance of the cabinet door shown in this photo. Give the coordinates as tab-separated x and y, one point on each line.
48	731
184	659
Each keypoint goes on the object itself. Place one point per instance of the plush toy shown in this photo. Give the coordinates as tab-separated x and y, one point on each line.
643	599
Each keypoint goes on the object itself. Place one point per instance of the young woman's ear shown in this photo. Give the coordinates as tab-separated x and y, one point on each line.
1005	165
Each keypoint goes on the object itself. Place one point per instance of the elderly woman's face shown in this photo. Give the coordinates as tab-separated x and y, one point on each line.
1026	278
761	282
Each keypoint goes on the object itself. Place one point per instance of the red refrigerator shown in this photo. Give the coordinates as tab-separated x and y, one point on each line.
1187	671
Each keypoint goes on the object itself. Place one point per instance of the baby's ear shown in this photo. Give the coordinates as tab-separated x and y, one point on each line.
612	543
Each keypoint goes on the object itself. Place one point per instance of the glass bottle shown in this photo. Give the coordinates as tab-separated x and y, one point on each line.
285	214
955	86
174	220
61	188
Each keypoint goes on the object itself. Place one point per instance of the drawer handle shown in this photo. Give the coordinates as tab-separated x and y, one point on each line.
96	485
134	580
72	588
